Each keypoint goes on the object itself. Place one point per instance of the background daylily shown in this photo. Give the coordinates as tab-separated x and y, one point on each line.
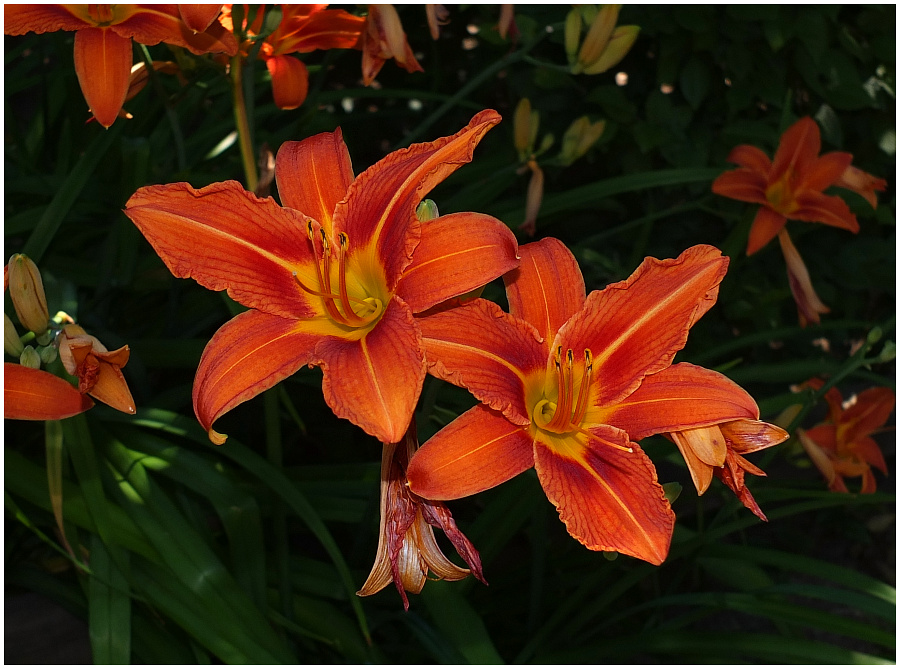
791	186
103	42
332	277
568	382
382	39
842	446
302	28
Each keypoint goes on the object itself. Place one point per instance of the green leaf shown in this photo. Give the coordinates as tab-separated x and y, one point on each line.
455	617
109	608
65	197
694	81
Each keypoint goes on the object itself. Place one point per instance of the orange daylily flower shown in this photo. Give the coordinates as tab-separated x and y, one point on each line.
332	277
99	370
406	545
103	42
842	445
382	39
718	449
33	394
568	382
437	16
303	28
790	186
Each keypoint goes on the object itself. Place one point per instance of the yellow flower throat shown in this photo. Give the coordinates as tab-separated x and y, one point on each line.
341	307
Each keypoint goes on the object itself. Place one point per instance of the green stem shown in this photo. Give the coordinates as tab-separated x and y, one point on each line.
248	156
171	116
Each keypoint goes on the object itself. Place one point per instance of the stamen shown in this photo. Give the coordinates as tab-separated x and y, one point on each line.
585	390
344	242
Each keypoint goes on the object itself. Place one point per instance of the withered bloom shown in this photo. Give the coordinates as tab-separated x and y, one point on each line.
406	545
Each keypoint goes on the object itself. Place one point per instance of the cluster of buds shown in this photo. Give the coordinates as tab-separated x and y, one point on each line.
604	45
579	137
31	393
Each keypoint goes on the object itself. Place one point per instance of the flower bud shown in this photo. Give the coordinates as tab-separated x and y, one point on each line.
525	127
598	36
616	49
572	34
27	292
427	211
48	354
11	342
30	358
580	137
533	198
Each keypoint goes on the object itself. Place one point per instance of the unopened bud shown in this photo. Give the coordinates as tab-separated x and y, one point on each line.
11	342
427	211
30	358
598	35
619	45
27	292
610	555
48	354
672	491
579	137
525	127
572	34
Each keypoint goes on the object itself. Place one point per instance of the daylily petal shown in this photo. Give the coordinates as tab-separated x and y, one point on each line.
732	475
547	288
39	18
862	183
701	472
323	29
766	225
313	175
680	397
249	354
635	327
825	436
827	209
609	499
152	24
33	394
477	451
290	81
199	17
457	253
374	382
741	184
826	170
798	149
487	351
867	450
750	157
380	206
226	238
819	457
103	66
809	306
868	483
748	436
872	409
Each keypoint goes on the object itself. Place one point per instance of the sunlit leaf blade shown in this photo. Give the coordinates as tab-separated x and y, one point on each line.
109	608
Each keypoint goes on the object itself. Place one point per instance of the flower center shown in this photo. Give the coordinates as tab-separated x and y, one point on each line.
781	195
341	307
567	412
101	15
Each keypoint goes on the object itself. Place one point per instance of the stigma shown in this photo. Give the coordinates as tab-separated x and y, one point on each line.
340	306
